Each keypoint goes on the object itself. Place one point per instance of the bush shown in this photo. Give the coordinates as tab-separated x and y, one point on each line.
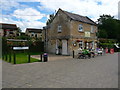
109	45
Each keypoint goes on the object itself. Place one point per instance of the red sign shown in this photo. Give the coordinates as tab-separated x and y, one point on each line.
106	50
112	51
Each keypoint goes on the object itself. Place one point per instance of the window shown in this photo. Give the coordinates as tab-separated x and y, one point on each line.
10	32
59	28
80	28
81	44
92	29
32	34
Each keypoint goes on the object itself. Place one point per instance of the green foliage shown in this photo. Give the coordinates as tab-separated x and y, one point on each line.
36	46
102	33
5	47
24	37
108	27
108	45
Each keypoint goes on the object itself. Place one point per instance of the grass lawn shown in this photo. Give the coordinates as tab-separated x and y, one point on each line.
22	58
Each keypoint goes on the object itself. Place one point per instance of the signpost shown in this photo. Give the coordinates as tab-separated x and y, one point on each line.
18	48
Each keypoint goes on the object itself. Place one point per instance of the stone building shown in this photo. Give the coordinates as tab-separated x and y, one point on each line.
32	32
8	30
68	32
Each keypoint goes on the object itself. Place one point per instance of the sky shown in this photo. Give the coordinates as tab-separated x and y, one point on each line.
35	13
119	10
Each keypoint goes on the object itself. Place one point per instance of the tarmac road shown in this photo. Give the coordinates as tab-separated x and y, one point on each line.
98	72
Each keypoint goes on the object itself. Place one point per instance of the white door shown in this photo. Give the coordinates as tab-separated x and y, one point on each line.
64	47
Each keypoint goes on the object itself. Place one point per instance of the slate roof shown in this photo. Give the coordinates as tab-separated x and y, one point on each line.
8	26
80	18
34	30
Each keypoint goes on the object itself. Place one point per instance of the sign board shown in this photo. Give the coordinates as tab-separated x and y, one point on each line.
87	34
20	48
112	51
106	50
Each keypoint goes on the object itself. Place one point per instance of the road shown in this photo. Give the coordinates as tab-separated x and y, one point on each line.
98	72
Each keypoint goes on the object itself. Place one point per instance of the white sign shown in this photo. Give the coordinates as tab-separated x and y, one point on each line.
87	34
20	48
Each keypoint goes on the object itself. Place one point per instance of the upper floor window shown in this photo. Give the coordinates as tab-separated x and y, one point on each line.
59	28
80	28
32	34
92	29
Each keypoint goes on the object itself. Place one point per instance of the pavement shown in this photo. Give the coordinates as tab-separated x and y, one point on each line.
98	72
53	57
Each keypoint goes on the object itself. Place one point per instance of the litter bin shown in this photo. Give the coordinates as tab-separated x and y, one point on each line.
45	57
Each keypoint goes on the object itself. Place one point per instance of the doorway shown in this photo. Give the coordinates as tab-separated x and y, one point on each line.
64	47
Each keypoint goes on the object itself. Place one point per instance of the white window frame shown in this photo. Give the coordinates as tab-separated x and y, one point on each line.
59	28
92	29
80	28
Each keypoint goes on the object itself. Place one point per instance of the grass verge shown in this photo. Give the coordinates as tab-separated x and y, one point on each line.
20	58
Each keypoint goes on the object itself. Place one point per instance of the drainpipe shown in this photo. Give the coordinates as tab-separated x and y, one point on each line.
45	39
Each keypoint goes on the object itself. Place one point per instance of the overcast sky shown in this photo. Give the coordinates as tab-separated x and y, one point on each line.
34	13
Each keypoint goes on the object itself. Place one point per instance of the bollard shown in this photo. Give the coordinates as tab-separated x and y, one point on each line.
45	57
41	57
28	58
73	53
14	58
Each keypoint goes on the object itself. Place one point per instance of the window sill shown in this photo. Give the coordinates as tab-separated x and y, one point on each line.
81	31
59	32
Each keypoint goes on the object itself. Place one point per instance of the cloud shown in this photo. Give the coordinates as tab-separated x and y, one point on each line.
28	14
119	10
83	7
23	15
23	24
7	4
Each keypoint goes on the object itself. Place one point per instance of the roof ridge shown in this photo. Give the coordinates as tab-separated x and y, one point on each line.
78	17
72	13
75	14
7	24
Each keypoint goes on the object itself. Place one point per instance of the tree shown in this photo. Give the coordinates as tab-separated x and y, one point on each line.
19	29
102	33
109	27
